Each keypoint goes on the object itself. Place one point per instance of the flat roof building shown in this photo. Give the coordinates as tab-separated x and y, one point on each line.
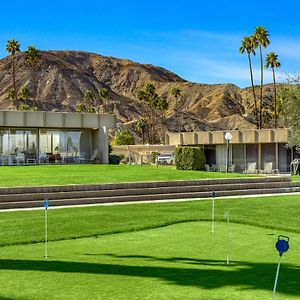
53	137
254	146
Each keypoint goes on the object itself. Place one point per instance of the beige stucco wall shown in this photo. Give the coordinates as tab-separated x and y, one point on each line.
246	136
42	119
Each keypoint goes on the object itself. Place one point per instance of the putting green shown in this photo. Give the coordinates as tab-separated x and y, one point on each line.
181	261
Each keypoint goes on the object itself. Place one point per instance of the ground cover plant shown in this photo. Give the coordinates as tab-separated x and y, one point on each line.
87	174
152	251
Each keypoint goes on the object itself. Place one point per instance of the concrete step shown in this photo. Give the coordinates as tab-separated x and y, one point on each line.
136	185
141	191
141	198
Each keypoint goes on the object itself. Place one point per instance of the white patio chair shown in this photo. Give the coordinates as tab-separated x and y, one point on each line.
251	168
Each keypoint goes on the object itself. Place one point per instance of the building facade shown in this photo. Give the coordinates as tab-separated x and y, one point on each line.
50	137
246	146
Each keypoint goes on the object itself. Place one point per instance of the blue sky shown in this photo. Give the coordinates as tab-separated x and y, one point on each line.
198	40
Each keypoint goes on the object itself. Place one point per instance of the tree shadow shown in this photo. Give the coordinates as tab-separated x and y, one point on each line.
208	274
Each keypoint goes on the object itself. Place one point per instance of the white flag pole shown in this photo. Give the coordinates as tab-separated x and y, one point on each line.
46	227
213	213
276	278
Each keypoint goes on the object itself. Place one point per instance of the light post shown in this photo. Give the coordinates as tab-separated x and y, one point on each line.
228	137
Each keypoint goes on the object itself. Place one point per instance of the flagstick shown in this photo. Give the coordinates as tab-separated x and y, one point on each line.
228	241
46	233
276	278
213	215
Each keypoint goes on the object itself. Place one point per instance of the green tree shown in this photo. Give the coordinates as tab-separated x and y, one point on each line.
24	93
32	57
141	127
149	97
163	106
103	93
80	107
24	107
11	94
261	36
123	137
12	47
249	45
289	96
88	99
176	92
272	62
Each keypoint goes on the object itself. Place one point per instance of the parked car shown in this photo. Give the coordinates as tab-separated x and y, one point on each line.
165	159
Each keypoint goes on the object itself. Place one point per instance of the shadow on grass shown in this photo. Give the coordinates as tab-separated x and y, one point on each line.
210	274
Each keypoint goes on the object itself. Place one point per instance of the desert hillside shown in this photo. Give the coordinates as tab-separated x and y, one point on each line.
63	76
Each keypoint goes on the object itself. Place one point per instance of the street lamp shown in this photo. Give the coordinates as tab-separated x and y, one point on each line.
228	137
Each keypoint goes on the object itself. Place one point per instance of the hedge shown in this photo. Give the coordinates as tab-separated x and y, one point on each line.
189	158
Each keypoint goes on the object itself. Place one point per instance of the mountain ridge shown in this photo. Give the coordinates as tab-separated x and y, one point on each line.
63	76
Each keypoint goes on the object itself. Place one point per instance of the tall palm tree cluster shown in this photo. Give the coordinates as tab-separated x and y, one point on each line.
92	103
152	126
260	40
32	58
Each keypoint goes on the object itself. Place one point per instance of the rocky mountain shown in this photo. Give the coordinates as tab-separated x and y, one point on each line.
63	76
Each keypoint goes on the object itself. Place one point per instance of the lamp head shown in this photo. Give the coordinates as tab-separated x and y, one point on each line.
228	136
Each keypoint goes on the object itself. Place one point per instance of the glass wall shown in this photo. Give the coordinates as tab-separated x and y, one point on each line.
19	146
252	154
268	155
238	157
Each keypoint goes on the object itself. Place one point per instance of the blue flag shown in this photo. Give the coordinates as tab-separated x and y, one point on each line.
46	203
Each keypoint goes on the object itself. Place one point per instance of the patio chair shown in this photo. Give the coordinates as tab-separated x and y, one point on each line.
231	169
207	168
222	168
94	156
268	169
81	158
251	168
20	158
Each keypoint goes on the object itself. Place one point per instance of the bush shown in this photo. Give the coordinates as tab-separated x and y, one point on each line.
123	137
189	158
115	159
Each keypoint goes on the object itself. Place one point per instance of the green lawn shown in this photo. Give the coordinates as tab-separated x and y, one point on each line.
89	174
152	251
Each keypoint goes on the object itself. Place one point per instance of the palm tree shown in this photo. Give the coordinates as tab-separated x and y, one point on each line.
88	98
140	127
80	107
103	93
162	106
272	62
13	47
24	93
32	57
176	92
249	45
261	36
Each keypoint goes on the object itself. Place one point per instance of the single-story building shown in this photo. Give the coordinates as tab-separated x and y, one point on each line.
244	147
45	137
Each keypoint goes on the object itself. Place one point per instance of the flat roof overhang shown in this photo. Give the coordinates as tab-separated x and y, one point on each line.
44	119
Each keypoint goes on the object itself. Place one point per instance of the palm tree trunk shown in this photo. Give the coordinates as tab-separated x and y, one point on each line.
275	100
14	76
34	83
253	91
261	88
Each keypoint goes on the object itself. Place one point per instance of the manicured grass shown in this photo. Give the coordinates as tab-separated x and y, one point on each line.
277	212
90	174
181	261
296	178
152	251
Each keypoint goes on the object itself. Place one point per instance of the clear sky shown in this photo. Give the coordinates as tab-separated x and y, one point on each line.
198	40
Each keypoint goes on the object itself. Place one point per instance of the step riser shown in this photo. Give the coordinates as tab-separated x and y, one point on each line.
66	202
128	192
142	185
